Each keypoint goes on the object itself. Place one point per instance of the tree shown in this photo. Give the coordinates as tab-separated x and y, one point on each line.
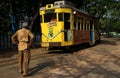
98	8
107	11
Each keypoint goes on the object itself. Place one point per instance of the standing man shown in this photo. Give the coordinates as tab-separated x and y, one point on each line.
23	38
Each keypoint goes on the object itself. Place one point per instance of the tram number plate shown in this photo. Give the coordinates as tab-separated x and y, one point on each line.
52	24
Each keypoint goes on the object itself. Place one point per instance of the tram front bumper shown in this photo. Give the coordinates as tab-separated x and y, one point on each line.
45	44
51	44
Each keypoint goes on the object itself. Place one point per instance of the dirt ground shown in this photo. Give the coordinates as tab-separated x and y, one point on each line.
99	61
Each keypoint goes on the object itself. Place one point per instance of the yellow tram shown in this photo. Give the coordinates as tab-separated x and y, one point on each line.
65	25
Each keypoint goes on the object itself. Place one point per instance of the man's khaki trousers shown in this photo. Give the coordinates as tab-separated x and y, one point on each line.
23	61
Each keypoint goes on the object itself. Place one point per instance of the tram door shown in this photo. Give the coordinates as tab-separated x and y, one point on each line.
92	35
67	27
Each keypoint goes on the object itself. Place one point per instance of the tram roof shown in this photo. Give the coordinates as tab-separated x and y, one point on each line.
65	4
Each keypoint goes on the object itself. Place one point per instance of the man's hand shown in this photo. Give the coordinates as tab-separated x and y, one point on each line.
30	44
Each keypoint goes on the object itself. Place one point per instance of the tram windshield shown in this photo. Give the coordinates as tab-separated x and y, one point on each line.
48	17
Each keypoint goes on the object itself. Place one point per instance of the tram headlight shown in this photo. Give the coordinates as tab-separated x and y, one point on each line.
74	12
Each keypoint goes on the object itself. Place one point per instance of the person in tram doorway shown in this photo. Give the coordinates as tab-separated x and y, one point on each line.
23	38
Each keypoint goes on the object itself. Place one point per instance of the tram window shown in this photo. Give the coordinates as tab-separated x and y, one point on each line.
75	27
60	15
75	22
49	16
78	25
66	21
40	18
91	25
82	26
87	26
95	27
66	17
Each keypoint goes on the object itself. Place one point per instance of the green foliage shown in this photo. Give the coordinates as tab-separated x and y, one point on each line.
107	11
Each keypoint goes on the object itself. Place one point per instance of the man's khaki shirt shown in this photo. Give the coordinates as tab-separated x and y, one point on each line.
22	37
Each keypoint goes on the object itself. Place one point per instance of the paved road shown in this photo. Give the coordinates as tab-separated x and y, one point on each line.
100	61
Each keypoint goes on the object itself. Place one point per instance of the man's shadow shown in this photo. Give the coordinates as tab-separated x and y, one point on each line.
41	66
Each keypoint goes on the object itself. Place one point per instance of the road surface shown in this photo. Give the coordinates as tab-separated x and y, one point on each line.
99	61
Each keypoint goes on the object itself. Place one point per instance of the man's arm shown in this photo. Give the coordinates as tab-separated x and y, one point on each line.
14	39
31	36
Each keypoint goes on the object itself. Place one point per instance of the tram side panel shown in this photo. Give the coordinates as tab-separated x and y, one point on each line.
81	36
